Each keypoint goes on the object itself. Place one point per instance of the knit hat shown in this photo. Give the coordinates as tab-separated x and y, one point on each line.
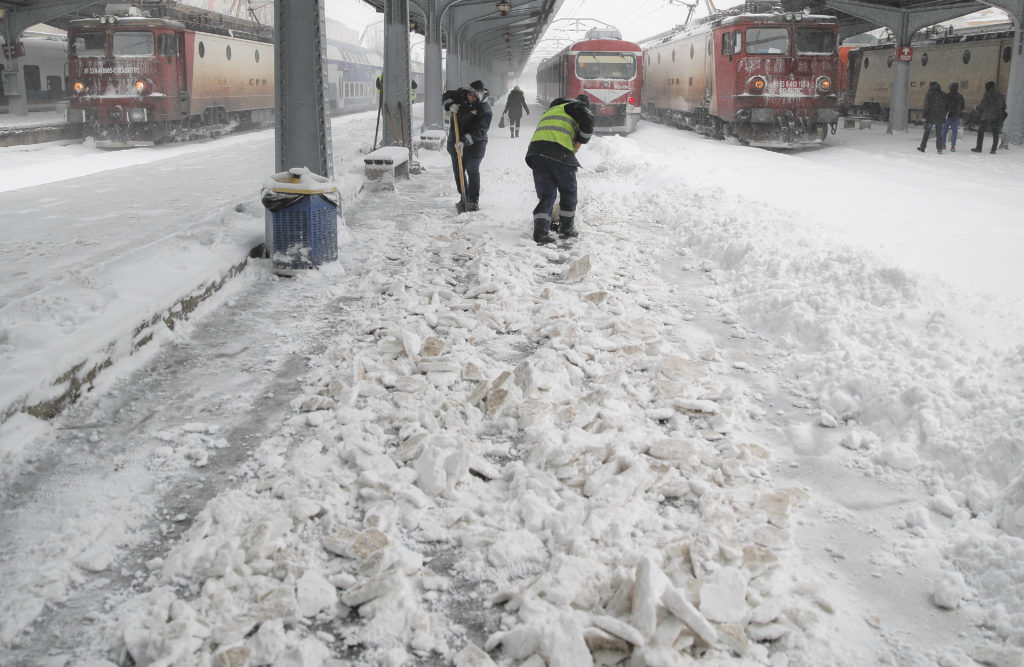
583	98
478	86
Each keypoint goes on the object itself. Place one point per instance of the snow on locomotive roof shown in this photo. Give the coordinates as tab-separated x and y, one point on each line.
131	21
733	16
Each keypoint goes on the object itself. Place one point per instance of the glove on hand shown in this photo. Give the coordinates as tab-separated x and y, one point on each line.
459	145
468	139
454	108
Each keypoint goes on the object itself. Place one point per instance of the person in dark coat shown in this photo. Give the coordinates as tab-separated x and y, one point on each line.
954	109
991	112
561	131
474	117
515	105
934	115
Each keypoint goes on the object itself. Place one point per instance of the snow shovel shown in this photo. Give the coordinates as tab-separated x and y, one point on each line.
458	152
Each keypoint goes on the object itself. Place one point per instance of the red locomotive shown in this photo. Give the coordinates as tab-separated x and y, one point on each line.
606	69
139	80
763	75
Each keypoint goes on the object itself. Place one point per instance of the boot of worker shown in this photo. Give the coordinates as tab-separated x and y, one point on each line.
540	231
567	228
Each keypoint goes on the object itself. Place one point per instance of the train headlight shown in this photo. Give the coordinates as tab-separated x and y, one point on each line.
798	16
78	87
143	86
789	16
756	84
823	85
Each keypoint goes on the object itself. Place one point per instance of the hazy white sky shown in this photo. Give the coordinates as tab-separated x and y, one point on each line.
636	19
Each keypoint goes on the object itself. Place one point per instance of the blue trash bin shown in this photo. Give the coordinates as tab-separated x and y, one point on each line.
301	220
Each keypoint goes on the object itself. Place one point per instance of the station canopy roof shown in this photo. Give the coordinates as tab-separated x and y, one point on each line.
509	29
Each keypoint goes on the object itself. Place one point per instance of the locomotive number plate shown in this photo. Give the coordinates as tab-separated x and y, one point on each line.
606	111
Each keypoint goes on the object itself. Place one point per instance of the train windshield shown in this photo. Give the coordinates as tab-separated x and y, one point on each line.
89	44
767	40
606	65
816	41
128	44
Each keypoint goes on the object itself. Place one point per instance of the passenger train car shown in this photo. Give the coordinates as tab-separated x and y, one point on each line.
756	72
43	59
968	59
603	67
142	80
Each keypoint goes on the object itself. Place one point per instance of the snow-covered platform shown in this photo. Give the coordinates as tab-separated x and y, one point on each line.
721	426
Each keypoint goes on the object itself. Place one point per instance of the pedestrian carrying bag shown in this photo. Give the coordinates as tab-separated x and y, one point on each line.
501	122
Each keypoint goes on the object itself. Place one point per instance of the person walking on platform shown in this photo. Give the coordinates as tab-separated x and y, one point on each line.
954	109
515	105
934	115
561	131
472	117
991	112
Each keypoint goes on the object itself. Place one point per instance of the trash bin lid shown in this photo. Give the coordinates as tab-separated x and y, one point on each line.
300	181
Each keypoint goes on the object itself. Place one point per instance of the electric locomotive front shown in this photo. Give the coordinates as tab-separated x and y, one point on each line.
128	79
605	68
776	75
762	75
609	73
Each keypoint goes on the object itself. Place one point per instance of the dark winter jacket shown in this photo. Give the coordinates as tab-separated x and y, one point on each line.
934	104
474	121
992	108
515	105
580	112
954	101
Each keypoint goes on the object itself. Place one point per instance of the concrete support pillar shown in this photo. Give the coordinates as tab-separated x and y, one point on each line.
899	101
433	114
397	107
303	128
454	69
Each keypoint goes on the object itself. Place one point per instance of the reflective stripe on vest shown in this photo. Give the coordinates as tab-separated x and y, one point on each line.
556	126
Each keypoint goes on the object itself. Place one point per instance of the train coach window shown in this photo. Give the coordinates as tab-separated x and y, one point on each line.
727	44
924	59
227	52
767	40
888	61
257	55
33	82
202	50
166	45
89	44
691	51
1007	54
815	41
55	86
967	56
128	44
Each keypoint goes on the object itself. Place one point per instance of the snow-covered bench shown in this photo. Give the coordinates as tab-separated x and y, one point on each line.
432	139
386	164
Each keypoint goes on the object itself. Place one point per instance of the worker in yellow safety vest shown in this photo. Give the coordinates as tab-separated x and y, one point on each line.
561	131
